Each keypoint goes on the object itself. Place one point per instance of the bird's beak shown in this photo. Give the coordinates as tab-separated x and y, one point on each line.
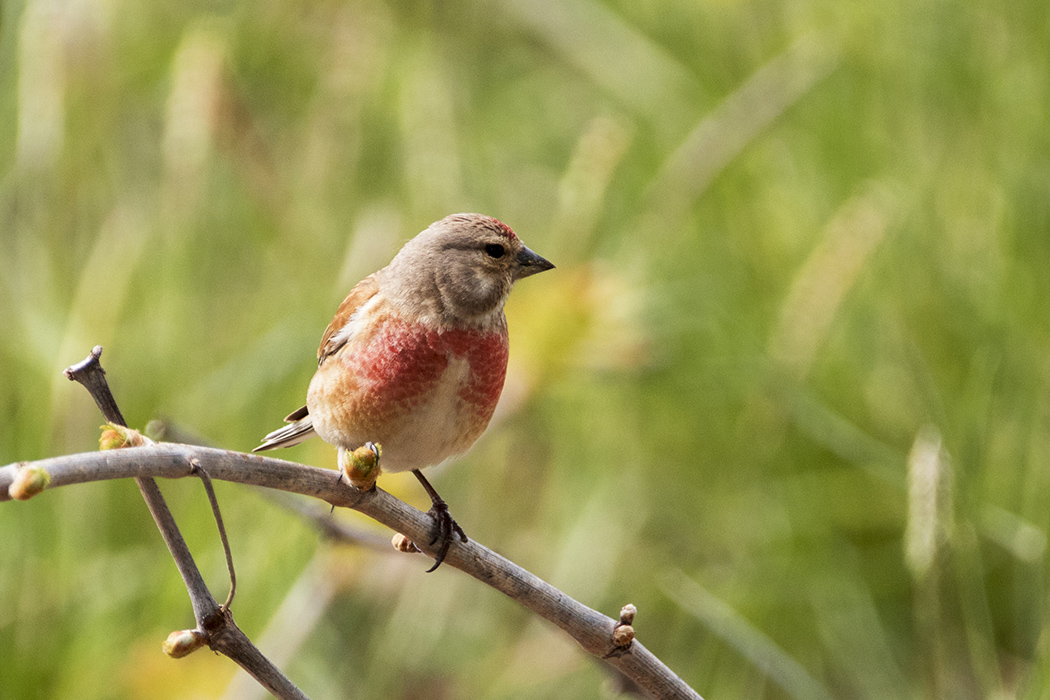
529	263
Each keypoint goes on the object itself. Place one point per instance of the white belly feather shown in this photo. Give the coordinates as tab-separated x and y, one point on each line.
430	434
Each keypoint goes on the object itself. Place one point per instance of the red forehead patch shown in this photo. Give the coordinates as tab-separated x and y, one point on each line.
504	229
481	221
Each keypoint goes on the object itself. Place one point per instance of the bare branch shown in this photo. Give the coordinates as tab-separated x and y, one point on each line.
610	640
206	480
89	373
592	630
334	529
215	625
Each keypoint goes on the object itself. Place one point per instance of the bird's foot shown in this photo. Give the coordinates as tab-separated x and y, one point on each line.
444	530
444	526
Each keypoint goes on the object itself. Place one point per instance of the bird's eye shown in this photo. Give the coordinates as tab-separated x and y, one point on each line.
495	250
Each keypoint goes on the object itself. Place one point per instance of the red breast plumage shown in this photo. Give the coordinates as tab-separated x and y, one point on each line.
425	394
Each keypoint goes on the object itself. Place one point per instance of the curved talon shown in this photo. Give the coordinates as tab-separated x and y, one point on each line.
339	479
443	529
444	525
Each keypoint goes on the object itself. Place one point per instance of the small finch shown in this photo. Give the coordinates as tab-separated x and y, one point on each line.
416	355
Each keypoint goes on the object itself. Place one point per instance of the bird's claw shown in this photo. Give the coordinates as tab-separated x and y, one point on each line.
444	529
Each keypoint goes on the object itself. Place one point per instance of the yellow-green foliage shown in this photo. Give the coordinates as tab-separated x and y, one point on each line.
787	390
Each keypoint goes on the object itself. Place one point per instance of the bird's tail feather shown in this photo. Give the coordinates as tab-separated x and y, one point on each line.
299	428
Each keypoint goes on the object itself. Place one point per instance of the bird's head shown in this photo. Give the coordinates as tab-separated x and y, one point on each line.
461	268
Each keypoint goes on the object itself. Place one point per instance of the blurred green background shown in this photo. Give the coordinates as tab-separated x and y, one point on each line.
786	392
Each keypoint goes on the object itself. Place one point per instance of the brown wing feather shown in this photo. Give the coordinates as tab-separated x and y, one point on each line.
300	424
358	296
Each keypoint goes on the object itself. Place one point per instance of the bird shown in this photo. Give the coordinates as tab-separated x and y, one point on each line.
415	357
